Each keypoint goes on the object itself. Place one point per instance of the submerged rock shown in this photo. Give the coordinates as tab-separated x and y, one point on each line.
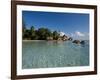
77	41
82	42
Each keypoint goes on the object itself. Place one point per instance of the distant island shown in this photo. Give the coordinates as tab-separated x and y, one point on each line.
46	34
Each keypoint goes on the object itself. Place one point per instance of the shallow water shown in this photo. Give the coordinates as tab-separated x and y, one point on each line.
49	54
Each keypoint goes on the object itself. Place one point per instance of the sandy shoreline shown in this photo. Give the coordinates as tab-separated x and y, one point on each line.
32	40
41	40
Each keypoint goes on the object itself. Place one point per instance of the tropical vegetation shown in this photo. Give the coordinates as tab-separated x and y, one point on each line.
39	34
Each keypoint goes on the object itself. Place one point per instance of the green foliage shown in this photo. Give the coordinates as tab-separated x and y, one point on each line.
32	33
32	29
55	35
27	34
40	34
43	33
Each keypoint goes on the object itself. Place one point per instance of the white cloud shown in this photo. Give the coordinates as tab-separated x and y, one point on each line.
79	33
62	33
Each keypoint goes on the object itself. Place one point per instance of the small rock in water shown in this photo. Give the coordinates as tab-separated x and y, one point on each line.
76	41
82	42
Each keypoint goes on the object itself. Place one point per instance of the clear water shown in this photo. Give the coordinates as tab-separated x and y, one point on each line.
49	54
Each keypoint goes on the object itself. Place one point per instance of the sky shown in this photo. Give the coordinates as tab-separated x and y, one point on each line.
75	25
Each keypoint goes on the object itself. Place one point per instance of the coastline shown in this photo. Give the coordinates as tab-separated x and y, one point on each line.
51	40
56	41
41	40
31	40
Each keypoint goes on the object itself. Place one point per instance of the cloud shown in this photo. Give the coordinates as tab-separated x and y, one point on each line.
62	33
79	33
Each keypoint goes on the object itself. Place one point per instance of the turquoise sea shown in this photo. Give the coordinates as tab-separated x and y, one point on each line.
51	54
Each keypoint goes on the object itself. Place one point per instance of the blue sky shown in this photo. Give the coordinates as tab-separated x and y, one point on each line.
73	24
